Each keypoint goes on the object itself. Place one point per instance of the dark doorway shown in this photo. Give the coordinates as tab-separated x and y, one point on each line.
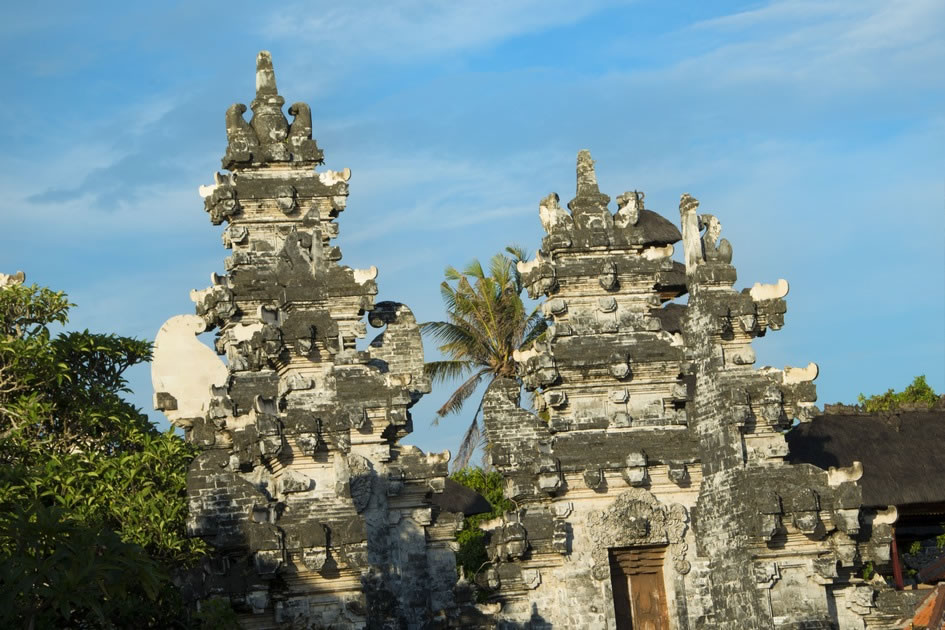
636	574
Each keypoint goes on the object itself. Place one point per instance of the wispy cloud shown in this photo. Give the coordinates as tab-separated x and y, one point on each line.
419	28
833	43
424	193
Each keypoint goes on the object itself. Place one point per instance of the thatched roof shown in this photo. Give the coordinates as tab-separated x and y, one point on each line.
903	454
458	498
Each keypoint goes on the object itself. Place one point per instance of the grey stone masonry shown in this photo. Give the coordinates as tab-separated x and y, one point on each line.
652	429
317	516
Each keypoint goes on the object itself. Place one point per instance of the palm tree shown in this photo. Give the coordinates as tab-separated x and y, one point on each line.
486	323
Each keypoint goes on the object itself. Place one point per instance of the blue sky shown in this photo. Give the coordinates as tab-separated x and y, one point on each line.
814	130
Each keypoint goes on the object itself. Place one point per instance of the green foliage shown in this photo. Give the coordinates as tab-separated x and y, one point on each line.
868	570
917	393
216	614
940	541
55	569
471	539
915	547
486	323
92	495
472	550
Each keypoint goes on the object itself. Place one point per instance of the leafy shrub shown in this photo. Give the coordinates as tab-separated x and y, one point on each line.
917	393
472	540
92	495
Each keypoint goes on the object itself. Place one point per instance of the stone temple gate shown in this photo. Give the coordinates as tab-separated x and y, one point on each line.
652	487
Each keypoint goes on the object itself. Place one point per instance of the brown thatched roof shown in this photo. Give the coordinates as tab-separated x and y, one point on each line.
903	454
458	498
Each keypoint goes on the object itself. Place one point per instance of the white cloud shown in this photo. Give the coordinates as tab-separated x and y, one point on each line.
405	30
426	192
835	44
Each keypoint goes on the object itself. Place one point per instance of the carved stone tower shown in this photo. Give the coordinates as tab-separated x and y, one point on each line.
651	484
318	517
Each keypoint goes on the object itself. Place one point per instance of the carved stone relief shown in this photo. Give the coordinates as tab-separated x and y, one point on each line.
637	518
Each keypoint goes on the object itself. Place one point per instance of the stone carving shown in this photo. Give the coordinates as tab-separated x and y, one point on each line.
508	542
220	200
678	473
637	518
761	291
635	472
714	250
241	138
536	366
285	198
608	276
300	139
183	370
692	243
552	215
629	206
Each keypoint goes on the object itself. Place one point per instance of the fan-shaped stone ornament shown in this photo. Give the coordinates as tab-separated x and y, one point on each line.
183	370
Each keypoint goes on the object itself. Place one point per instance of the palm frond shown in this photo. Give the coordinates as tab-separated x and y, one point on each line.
486	322
456	400
470	441
535	327
500	269
474	269
448	294
441	371
459	340
519	254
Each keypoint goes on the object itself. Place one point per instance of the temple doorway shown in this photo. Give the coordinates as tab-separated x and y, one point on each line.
636	574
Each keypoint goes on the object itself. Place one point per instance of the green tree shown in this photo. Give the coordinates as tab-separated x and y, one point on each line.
918	393
92	505
472	540
486	323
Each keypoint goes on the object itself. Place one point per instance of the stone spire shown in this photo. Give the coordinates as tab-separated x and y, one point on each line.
586	177
302	489
265	76
588	199
269	138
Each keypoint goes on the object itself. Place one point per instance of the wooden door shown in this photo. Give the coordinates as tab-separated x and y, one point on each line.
636	575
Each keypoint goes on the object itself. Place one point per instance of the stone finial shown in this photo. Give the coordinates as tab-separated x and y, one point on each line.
629	206
268	121
586	177
588	197
551	214
692	241
265	75
714	249
268	137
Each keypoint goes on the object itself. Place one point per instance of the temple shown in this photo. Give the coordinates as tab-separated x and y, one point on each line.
652	476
